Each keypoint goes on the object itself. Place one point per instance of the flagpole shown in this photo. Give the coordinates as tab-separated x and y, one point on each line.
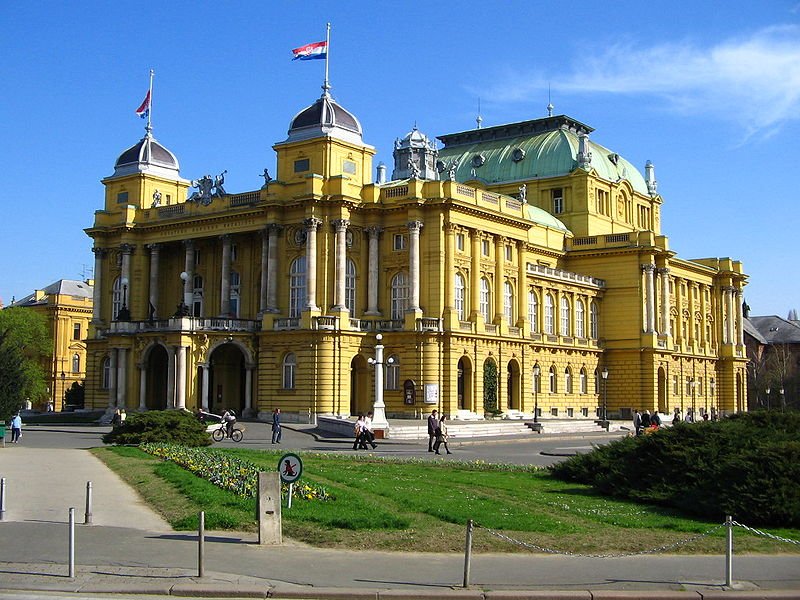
326	87
149	127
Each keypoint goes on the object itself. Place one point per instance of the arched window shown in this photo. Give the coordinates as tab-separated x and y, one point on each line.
459	288
583	383
485	299
508	302
350	287
593	327
549	325
564	329
533	311
116	298
197	296
234	297
553	380
399	295
568	380
297	287
288	369
76	363
580	325
392	373
105	381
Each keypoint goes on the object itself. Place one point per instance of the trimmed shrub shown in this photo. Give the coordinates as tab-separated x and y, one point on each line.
747	465
160	426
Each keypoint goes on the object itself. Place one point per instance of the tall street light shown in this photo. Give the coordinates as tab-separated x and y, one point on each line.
379	408
767	391
63	390
783	399
537	371
124	314
604	375
183	306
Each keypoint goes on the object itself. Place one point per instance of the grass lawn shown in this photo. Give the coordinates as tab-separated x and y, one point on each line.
422	506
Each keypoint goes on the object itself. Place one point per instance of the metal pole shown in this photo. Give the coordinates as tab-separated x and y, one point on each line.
289	498
2	498
467	553
71	543
201	544
87	517
729	552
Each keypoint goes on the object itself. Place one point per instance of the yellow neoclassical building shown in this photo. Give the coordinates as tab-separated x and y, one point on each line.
507	269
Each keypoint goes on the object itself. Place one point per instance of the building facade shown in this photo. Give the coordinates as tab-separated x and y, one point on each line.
506	272
67	308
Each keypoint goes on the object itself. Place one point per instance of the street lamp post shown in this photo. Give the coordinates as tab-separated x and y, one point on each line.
124	314
537	371
183	306
783	399
693	383
379	408
768	390
63	390
604	375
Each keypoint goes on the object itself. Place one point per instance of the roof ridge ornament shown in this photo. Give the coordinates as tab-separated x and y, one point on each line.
584	156
650	177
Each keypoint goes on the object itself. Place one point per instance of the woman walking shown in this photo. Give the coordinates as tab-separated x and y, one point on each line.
441	436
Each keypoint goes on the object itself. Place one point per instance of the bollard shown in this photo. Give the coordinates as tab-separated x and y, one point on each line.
467	553
87	516
2	498
201	543
729	552
71	543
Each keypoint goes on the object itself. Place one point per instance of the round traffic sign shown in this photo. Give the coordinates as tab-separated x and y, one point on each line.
290	467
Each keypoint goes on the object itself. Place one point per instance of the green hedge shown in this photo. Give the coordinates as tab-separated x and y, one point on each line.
747	465
160	426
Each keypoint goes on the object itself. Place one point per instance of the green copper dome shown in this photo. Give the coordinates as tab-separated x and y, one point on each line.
527	150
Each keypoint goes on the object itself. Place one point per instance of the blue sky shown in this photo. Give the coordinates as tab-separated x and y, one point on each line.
709	91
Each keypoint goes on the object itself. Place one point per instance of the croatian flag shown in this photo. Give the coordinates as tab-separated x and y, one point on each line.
144	109
311	51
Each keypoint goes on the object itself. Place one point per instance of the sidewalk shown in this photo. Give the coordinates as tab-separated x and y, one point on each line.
130	550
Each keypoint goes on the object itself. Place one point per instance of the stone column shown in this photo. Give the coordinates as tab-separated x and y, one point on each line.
499	281
180	377
112	384
122	364
188	285
373	233
225	287
522	286
664	273
729	309
475	276
142	387
340	227
311	262
152	310
272	267
170	377
97	291
248	389
206	393
262	293
649	302
739	318
414	228
449	266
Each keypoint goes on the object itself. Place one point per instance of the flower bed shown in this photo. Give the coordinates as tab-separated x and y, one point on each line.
228	472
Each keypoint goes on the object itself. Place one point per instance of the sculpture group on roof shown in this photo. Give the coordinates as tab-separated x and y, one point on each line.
208	188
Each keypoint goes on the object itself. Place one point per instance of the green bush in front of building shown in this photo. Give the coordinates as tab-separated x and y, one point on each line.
160	426
746	465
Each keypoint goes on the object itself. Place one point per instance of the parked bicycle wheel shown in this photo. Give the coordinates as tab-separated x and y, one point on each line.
218	435
237	435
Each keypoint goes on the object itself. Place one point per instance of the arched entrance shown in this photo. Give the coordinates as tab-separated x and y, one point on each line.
663	402
157	365
359	386
226	379
465	400
512	385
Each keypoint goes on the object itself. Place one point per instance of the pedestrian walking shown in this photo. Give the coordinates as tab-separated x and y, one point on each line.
655	420
637	422
433	423
441	436
676	418
116	420
276	426
358	432
16	428
369	435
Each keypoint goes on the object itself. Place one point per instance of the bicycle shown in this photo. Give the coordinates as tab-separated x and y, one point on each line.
220	433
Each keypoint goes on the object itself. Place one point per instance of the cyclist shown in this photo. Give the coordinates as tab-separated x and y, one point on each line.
229	419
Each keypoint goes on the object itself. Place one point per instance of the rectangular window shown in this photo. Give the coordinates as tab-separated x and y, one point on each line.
233	253
675	386
485	247
399	241
122	198
76	331
301	165
169	199
558	201
460	242
349	167
196	257
509	254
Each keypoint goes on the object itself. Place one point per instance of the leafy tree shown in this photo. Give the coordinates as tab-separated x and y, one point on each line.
12	377
74	395
26	331
490	385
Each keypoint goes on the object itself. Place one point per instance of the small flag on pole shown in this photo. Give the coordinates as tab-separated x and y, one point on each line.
311	51
144	109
